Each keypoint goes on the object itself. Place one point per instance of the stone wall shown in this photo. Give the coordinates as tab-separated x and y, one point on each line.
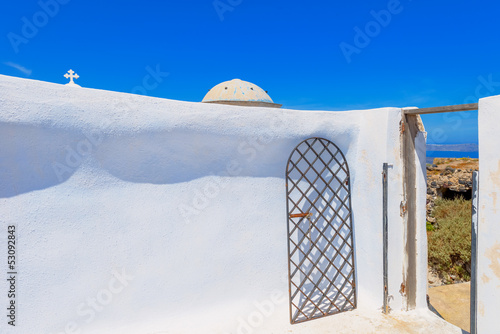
449	178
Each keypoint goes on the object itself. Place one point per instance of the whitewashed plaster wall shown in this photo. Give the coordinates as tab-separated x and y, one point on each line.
488	267
138	214
421	207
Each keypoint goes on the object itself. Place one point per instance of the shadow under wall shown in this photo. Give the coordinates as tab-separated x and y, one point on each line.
181	156
27	156
36	157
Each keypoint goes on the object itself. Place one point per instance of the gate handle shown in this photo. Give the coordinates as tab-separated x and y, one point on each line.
300	215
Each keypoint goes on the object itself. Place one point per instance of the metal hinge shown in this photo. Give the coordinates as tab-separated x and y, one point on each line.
402	208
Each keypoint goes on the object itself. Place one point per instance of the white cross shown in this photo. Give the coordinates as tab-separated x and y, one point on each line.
70	76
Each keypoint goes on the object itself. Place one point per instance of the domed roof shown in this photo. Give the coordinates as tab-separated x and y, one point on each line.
239	92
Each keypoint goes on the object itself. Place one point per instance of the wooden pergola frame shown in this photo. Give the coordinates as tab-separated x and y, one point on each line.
409	131
435	110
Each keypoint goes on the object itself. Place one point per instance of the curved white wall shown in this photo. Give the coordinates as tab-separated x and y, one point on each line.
142	213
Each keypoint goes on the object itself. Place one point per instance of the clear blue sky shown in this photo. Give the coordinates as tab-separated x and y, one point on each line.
424	53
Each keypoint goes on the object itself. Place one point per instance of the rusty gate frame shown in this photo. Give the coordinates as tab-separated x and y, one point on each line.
292	228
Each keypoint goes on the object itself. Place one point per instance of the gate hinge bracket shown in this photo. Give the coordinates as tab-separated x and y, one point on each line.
402	208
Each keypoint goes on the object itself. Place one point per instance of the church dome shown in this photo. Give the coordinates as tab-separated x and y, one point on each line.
241	93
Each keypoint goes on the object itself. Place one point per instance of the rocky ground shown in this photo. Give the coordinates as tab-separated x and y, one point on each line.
433	279
448	174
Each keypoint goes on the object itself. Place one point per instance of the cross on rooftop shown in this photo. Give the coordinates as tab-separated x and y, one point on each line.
70	75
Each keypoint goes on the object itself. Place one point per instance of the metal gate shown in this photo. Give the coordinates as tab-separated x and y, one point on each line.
320	238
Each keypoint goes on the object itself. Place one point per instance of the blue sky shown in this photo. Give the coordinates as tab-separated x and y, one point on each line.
328	55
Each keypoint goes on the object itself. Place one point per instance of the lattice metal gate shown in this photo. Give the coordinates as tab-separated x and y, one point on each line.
320	237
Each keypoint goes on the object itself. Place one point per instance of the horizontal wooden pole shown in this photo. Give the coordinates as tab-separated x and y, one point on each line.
435	110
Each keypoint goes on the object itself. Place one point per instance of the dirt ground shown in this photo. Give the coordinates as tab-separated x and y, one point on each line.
452	302
457	163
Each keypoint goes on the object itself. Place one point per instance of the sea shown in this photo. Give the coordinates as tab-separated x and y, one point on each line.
450	154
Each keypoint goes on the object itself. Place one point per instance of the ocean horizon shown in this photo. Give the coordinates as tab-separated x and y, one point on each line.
450	154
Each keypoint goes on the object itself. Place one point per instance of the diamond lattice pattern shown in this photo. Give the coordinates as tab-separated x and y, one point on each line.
321	255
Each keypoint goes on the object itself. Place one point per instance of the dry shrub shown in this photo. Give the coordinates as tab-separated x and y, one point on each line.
450	242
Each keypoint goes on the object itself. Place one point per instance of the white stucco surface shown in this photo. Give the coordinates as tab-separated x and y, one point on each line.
421	235
144	215
488	267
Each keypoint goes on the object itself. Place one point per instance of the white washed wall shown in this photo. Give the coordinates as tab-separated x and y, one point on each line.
488	277
187	200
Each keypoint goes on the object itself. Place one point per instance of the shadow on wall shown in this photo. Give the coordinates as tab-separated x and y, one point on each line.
179	156
38	157
27	155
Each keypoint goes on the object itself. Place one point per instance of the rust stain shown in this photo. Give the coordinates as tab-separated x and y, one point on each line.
366	162
485	278
494	197
402	289
397	153
495	176
401	325
495	181
364	154
493	254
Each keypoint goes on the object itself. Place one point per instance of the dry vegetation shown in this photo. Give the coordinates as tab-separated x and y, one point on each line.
450	240
462	163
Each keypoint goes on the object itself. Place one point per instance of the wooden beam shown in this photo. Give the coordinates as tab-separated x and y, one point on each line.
410	123
435	110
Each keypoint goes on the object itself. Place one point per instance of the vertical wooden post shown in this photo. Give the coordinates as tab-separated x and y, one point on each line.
410	131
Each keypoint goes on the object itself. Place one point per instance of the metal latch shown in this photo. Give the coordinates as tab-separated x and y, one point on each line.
308	216
300	215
